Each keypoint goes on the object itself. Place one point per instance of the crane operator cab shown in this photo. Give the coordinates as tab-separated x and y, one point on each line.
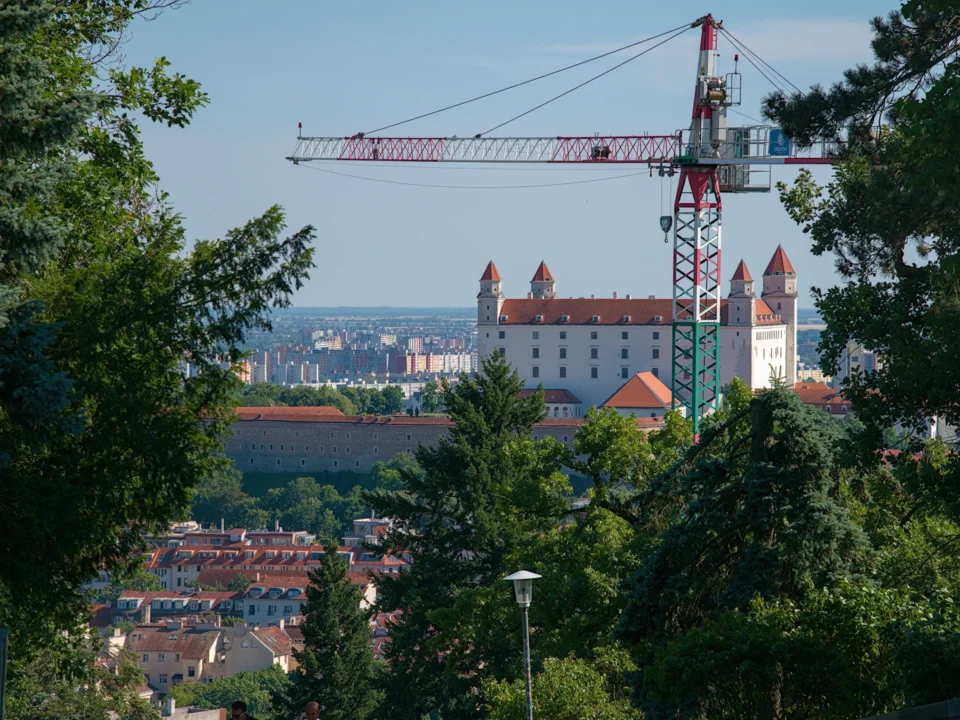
600	152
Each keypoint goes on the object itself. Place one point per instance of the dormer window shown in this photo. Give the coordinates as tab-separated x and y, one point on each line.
596	318
503	318
626	318
539	318
658	318
564	318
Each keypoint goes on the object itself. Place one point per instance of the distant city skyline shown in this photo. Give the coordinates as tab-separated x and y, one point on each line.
381	244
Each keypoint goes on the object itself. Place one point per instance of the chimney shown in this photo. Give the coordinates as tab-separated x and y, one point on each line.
529	295
276	526
593	297
145	613
629	297
280	623
223	528
614	294
651	297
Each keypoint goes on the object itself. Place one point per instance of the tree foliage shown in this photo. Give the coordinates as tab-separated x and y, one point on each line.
336	664
102	297
760	520
887	216
257	689
482	492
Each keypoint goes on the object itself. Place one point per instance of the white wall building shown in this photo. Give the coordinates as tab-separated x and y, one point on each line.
593	346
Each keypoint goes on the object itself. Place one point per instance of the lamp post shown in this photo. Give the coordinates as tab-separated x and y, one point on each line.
523	589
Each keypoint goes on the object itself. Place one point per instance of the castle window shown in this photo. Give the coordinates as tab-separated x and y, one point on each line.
593	335
536	352
594	353
656	334
655	372
336	463
624	335
281	447
594	373
271	446
623	372
624	353
502	334
536	371
503	352
563	334
376	451
302	462
656	353
563	353
563	371
334	448
306	449
409	436
357	464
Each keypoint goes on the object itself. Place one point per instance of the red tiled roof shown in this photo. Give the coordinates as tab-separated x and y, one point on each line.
150	595
192	644
542	274
780	264
491	272
275	639
295	633
741	273
289	413
643	390
817	393
553	396
581	311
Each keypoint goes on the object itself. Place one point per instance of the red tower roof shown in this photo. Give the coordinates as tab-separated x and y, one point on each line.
741	273
542	274
491	273
780	264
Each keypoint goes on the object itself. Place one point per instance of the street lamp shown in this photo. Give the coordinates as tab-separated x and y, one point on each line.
523	589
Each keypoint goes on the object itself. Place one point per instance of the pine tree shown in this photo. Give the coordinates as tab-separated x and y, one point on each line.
336	663
483	492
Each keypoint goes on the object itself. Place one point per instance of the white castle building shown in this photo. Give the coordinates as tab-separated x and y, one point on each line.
593	346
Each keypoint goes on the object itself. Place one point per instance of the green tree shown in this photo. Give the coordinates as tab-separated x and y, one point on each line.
484	490
336	664
761	520
886	216
221	497
257	689
431	399
102	437
391	475
135	578
392	399
93	685
567	689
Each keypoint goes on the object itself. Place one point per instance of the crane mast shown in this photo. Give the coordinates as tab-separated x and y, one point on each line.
711	158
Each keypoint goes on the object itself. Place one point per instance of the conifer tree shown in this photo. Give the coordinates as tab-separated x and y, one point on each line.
483	492
336	663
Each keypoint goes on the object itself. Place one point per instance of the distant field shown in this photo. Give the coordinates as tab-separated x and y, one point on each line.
257	484
816	326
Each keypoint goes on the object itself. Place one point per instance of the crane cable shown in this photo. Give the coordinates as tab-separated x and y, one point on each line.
470	187
527	82
747	52
586	82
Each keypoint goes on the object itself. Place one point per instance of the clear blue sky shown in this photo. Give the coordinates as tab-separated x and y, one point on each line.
340	68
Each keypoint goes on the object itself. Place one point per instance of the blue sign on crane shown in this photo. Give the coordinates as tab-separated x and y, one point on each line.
779	144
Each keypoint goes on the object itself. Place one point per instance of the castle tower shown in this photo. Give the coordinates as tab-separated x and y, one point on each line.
490	298
543	285
780	292
741	302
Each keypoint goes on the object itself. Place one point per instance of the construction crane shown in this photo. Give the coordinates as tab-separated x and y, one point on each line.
712	158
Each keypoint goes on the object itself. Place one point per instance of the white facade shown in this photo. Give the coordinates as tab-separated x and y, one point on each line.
592	346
